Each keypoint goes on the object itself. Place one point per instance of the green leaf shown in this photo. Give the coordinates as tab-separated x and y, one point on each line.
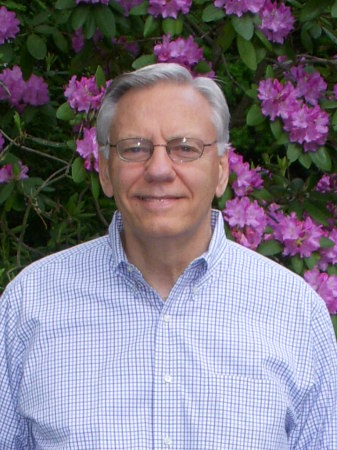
60	41
44	29
226	36
293	152
95	186
247	52
6	191
150	26
269	248
89	27
264	40
312	261
312	9
334	121
36	46
140	10
305	160
254	116
105	20
297	264
78	172
321	159
6	53
65	4
306	41
316	213
64	112
212	14
79	16
326	243
276	128
172	26
244	26
331	34
143	61
202	67
329	104
100	77
334	10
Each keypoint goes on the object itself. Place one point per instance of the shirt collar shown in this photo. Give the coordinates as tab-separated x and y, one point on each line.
207	260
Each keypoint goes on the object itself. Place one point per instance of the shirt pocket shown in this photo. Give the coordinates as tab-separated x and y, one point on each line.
238	412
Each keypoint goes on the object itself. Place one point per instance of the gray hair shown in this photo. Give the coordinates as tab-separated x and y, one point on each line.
149	76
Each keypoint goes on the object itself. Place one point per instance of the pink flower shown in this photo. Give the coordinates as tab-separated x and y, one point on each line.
247	221
329	255
7	173
325	285
84	95
104	2
247	180
276	21
2	142
308	126
308	85
239	7
278	100
77	40
298	237
328	183
127	5
9	25
182	51
34	91
169	8
88	149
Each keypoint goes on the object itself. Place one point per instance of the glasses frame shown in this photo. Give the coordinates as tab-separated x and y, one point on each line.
180	161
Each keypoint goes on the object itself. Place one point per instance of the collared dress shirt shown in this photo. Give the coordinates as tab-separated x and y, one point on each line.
241	355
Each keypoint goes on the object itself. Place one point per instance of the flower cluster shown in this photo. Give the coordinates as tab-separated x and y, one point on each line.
276	21
169	8
7	173
104	2
239	7
305	124
329	255
19	93
9	25
247	221
299	237
325	285
308	85
88	148
246	179
328	183
182	51
84	95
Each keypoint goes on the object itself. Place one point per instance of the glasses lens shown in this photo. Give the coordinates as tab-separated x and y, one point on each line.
185	149
134	149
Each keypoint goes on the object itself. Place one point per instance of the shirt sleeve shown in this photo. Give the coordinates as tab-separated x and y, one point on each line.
317	425
13	430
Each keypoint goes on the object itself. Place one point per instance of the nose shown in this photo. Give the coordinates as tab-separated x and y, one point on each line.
159	167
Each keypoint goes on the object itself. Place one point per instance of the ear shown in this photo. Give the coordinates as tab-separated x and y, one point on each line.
104	174
223	175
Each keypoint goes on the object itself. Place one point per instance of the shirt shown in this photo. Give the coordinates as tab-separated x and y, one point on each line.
241	355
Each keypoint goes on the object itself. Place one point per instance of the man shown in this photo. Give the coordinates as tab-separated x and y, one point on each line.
164	334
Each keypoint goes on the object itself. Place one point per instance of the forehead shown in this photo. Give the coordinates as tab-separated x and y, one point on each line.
166	105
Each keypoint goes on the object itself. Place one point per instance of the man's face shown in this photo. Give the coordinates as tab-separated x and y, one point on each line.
160	198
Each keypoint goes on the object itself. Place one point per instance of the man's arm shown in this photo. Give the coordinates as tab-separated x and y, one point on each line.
317	427
13	430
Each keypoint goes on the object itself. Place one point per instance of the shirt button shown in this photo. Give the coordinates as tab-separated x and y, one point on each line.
130	268
167	318
167	440
195	291
168	378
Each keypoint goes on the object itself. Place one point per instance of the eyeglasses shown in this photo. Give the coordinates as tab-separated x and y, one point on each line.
179	150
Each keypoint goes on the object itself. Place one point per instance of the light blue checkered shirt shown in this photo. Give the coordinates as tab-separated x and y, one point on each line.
241	356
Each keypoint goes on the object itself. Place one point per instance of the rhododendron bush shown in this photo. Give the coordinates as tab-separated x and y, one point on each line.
276	62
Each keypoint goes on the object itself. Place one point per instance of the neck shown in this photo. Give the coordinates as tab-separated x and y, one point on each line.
161	261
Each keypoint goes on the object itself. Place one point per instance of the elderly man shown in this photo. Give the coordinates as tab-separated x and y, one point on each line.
163	334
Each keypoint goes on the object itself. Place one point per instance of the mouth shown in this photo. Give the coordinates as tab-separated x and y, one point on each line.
150	198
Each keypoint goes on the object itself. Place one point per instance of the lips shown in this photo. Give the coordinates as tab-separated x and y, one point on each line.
155	198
